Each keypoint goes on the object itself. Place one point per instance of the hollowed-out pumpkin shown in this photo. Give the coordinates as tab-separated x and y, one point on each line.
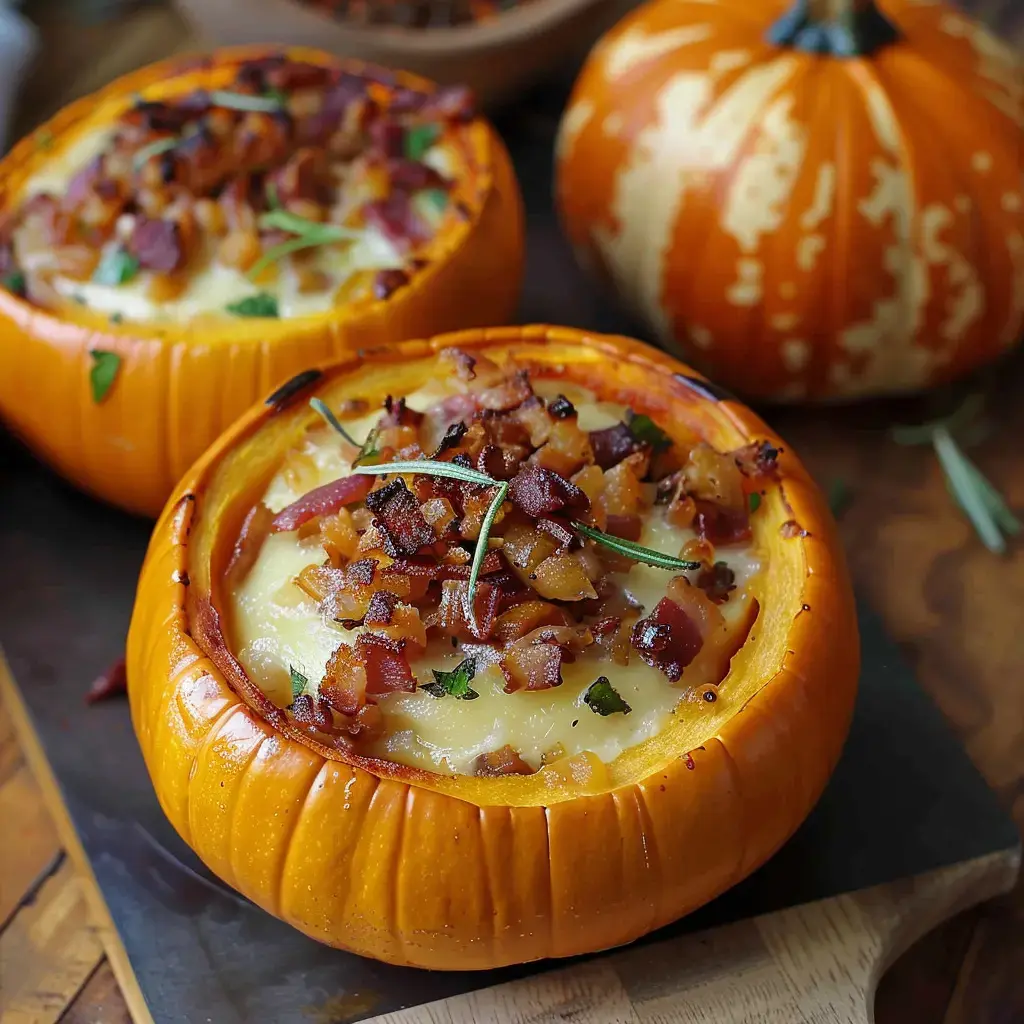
164	264
577	770
809	202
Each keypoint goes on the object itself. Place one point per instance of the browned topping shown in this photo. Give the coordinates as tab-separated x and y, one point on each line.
504	761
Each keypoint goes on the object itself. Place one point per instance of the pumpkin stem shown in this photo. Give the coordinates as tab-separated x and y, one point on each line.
840	28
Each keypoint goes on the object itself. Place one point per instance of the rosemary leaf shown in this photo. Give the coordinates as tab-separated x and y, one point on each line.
428	468
154	148
243	101
320	407
963	484
282	220
635	551
276	252
481	550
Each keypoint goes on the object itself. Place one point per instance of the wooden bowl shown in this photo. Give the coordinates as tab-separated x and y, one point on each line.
498	58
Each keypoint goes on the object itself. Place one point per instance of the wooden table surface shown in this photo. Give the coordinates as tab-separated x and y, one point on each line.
956	610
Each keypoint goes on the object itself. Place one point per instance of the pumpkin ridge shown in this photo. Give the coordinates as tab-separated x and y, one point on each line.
277	894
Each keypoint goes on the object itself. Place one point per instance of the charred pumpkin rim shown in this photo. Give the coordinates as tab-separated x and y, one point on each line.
807	546
472	189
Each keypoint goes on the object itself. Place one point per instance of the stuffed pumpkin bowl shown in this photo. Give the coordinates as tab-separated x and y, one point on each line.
182	241
509	644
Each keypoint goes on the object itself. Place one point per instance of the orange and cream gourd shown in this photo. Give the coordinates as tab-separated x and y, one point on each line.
825	202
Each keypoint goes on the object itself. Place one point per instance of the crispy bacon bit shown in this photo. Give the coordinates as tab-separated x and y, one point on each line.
562	534
454	620
344	683
539	492
313	713
508	394
322	501
157	244
758	460
395	218
504	761
561	408
717	581
381	609
668	639
612	444
362	572
452	436
399	414
388	281
399	519
721	526
111	683
254	531
387	668
452	102
499	463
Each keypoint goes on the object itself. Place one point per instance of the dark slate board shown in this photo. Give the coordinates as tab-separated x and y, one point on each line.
904	800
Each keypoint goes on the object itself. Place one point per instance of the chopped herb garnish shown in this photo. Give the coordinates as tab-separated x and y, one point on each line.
243	101
419	139
277	95
153	149
308	234
105	366
299	682
116	267
454	683
116	318
980	501
755	501
839	496
261	305
366	450
603	699
635	551
436	199
644	429
14	282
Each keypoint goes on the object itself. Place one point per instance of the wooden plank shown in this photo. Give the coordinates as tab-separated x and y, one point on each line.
99	1002
101	919
47	952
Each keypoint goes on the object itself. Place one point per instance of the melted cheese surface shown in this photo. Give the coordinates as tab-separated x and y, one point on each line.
276	627
212	286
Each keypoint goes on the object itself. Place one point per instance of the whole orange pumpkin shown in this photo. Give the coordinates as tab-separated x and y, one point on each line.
168	387
824	201
464	871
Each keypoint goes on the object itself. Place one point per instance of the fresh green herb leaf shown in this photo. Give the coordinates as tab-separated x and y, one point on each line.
103	373
419	139
116	318
116	267
645	430
428	468
839	496
153	149
435	199
308	234
14	282
635	551
246	102
980	501
755	502
454	683
261	305
273	199
603	699
369	448
299	682
319	406
43	139
279	96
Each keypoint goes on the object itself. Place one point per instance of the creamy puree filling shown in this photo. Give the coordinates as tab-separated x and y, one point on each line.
681	499
289	190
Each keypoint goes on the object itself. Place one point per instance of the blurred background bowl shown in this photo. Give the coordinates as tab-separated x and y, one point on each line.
498	57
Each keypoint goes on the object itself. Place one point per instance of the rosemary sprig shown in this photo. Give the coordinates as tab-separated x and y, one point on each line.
319	406
246	102
635	551
308	234
154	148
450	470
980	501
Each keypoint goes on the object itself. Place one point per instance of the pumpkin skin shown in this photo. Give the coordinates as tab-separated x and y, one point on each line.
803	226
180	384
361	854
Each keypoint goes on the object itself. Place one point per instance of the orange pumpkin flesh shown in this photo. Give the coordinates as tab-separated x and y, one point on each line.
180	383
464	872
854	237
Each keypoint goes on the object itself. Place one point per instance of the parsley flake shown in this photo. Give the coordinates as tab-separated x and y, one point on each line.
603	699
419	139
14	282
645	430
435	199
261	305
116	267
299	682
105	366
455	683
755	501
